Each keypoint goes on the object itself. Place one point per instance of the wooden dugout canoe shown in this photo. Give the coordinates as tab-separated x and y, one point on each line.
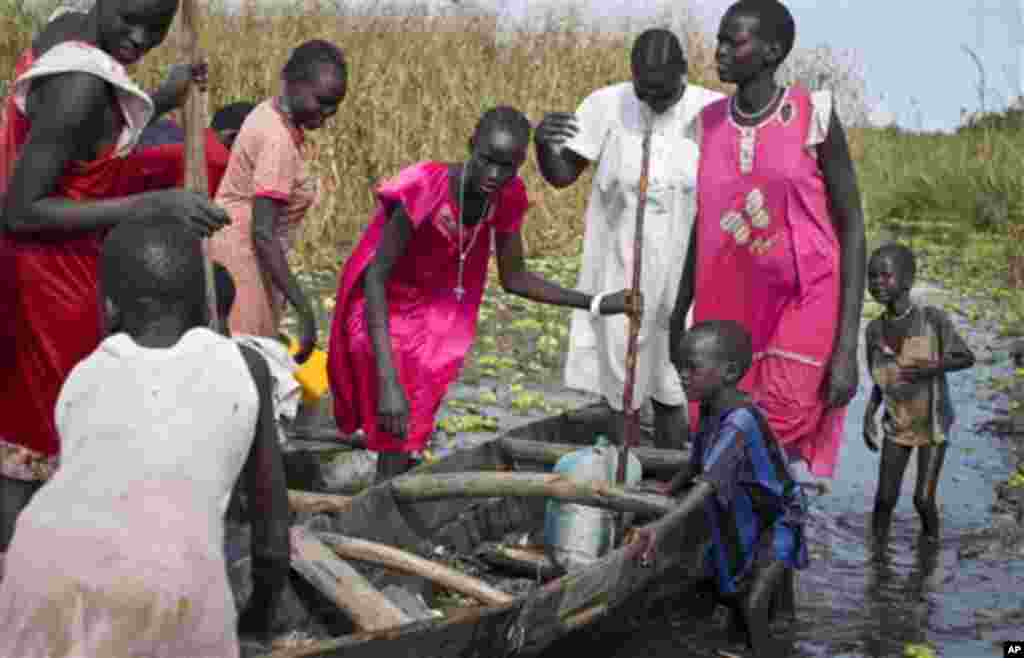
462	503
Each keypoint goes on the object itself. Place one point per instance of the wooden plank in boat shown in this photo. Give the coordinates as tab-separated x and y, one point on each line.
653	460
343	584
423	487
368	551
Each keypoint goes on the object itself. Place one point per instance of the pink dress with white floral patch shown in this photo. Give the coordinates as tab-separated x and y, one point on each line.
768	258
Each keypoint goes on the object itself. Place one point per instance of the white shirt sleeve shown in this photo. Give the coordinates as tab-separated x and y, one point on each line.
821	117
592	118
707	97
71	393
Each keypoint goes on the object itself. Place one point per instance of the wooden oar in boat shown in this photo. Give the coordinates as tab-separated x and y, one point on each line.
194	118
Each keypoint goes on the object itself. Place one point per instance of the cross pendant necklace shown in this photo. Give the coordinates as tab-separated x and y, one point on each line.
460	291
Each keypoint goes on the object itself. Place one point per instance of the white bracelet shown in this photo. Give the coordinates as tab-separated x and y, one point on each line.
595	304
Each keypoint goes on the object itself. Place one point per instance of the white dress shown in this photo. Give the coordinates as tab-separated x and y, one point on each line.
135	421
120	553
612	122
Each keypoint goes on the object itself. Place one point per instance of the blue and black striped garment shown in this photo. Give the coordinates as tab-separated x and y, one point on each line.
758	511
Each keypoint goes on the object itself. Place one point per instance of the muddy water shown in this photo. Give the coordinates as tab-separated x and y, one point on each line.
854	602
960	598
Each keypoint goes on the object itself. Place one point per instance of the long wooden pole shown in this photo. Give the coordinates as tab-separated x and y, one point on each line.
342	584
194	117
653	460
318	503
632	417
412	488
355	548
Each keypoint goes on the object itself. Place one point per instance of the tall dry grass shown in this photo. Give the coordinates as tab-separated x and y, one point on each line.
417	86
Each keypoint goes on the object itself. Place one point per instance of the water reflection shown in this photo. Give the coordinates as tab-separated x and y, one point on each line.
897	606
857	601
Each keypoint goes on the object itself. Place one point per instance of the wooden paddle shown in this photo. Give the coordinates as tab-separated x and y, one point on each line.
194	118
632	416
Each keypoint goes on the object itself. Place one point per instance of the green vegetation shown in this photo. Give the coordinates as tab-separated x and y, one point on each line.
957	199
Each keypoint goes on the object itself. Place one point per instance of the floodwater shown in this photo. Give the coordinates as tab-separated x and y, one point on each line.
853	602
959	600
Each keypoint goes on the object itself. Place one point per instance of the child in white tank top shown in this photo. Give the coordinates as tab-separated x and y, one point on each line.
120	553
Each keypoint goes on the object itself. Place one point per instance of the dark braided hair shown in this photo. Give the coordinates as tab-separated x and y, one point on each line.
658	48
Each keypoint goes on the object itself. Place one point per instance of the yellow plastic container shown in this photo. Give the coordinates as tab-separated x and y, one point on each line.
311	375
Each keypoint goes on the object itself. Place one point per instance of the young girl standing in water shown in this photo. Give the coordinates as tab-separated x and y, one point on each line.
909	351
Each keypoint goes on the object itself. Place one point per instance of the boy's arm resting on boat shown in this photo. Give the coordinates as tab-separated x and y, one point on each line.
393	406
684	479
270	512
518	280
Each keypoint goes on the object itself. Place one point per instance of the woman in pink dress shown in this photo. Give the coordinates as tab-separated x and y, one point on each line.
268	189
409	296
780	244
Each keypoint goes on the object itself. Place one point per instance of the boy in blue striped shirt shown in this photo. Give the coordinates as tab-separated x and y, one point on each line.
757	511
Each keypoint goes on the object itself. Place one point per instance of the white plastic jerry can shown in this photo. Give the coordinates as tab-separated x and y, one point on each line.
580	534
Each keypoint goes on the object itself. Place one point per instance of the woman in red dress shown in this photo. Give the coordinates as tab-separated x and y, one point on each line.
70	124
